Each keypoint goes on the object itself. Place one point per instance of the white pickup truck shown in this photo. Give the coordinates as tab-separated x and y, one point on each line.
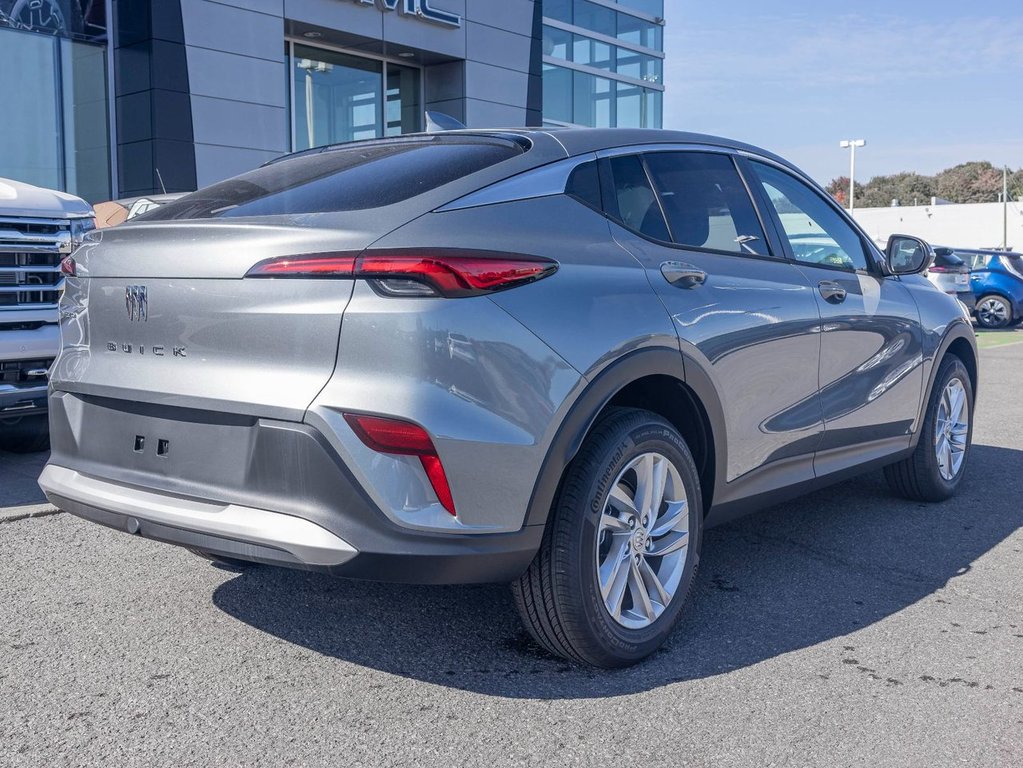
38	228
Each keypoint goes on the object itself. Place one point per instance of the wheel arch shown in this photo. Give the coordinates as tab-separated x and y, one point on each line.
655	379
960	342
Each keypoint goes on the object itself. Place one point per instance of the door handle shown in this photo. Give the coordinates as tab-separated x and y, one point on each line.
683	275
832	292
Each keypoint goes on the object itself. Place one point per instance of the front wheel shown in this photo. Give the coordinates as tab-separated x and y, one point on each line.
621	550
934	470
994	311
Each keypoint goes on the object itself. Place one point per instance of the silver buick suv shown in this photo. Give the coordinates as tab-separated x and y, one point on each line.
544	357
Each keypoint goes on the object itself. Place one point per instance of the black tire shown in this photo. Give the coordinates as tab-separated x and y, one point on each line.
25	434
558	597
986	320
918	476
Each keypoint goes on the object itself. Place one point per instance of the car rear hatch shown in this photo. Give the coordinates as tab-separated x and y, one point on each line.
162	311
953	272
167	316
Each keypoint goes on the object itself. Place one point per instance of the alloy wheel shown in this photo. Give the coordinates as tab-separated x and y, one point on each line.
951	429
642	541
993	312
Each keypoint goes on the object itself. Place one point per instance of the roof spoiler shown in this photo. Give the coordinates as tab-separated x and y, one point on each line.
436	122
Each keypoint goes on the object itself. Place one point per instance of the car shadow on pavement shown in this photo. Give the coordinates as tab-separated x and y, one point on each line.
791	577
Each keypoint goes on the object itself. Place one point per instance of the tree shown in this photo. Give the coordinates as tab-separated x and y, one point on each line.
973	182
907	188
976	182
839	189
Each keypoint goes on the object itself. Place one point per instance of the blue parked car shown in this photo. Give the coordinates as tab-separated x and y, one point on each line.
997	281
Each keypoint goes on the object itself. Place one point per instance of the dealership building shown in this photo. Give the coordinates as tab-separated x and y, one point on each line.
116	98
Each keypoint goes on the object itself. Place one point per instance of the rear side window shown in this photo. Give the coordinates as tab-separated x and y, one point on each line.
634	203
946	258
348	179
584	184
706	202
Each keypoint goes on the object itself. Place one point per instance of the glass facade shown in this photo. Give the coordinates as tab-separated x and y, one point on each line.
603	63
338	97
60	139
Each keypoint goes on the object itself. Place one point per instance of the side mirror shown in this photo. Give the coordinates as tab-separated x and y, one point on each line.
908	255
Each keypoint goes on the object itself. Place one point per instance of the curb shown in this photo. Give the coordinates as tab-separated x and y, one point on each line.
13	514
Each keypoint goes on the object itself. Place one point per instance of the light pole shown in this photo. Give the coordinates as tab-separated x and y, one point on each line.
851	145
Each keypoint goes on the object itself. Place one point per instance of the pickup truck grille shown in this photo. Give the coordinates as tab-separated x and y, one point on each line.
24	371
30	255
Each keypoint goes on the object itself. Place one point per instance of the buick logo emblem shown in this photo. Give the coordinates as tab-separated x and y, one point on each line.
136	302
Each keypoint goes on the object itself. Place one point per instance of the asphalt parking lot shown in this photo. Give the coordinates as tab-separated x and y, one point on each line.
846	628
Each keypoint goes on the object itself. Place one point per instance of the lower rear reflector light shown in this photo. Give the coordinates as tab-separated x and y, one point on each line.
403	438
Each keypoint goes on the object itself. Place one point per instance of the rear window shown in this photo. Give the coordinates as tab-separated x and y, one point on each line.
1014	263
946	258
353	178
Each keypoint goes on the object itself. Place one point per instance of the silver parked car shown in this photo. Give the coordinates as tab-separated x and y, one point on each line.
550	358
951	274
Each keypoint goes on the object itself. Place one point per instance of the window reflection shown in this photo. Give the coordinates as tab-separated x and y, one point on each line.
59	95
339	97
77	19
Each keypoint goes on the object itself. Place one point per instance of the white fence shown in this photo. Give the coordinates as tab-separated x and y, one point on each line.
977	225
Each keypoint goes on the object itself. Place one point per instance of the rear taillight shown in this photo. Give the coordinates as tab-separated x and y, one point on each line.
68	266
309	265
387	435
452	273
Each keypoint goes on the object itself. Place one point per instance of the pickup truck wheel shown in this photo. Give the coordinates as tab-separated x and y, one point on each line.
25	434
934	470
621	550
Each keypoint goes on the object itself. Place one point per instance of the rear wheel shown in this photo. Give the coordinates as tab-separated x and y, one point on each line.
621	550
994	311
25	434
936	467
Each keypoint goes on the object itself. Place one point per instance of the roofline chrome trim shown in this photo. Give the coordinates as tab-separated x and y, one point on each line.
544	181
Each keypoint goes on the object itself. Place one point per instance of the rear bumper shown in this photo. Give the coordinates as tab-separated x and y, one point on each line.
228	529
969	299
288	501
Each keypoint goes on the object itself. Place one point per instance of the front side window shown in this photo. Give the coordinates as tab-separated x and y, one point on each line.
706	203
818	235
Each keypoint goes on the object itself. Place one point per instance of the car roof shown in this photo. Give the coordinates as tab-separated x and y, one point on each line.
581	140
573	140
981	251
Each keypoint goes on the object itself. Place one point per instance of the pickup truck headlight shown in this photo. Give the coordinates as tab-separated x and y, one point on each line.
79	228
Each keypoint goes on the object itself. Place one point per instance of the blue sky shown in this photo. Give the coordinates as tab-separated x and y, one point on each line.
927	84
